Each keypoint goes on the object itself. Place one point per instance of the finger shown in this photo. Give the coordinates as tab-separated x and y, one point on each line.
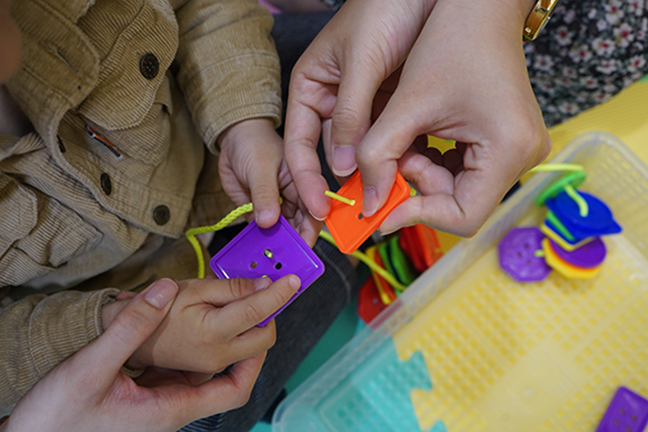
301	136
131	327
265	190
252	342
351	116
156	377
125	295
459	206
239	316
219	292
377	157
223	393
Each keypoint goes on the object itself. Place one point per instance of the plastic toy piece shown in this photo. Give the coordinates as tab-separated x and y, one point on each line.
347	224
386	260
564	268
401	264
369	302
273	252
628	412
574	180
387	294
548	230
517	255
421	245
588	256
599	220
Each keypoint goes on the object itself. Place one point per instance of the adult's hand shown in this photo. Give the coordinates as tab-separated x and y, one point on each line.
464	79
88	392
333	85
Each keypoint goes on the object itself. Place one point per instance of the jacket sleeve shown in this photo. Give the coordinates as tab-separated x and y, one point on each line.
37	234
228	67
39	332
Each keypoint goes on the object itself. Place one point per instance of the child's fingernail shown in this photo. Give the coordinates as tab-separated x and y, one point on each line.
294	282
265	217
315	217
160	293
262	283
370	201
344	160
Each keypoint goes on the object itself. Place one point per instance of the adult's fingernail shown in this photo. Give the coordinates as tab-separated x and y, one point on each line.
315	217
343	160
262	283
161	293
369	201
294	282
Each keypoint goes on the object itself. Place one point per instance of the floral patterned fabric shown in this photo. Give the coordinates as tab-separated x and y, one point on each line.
589	51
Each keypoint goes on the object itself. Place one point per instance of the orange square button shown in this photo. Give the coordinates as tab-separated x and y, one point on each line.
346	223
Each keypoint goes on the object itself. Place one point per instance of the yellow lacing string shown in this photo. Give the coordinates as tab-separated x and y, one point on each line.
369	262
191	233
557	167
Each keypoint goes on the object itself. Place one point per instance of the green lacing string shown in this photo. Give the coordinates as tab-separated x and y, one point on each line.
191	233
583	208
247	208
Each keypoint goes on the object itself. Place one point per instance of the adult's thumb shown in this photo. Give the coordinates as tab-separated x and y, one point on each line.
133	325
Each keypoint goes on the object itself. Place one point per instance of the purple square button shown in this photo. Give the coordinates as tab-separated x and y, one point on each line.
273	252
628	412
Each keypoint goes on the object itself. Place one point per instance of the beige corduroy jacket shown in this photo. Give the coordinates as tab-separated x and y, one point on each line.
157	79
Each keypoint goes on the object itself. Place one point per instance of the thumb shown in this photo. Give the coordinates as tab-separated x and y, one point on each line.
377	157
132	326
264	191
351	116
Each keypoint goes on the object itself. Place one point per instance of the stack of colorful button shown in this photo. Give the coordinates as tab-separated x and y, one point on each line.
569	239
404	256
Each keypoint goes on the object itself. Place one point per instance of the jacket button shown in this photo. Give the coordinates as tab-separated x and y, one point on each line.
106	184
149	66
161	214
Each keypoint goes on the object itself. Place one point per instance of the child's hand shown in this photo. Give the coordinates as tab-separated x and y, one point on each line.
87	392
212	324
252	168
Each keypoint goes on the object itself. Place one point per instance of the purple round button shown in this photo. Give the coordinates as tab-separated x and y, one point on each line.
517	254
589	255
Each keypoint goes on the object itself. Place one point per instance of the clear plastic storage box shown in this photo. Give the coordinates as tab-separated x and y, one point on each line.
466	348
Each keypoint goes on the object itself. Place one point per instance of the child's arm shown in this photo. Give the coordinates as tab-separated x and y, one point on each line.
227	65
228	69
39	332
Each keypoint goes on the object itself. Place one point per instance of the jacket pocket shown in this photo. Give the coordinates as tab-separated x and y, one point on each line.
37	233
148	141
